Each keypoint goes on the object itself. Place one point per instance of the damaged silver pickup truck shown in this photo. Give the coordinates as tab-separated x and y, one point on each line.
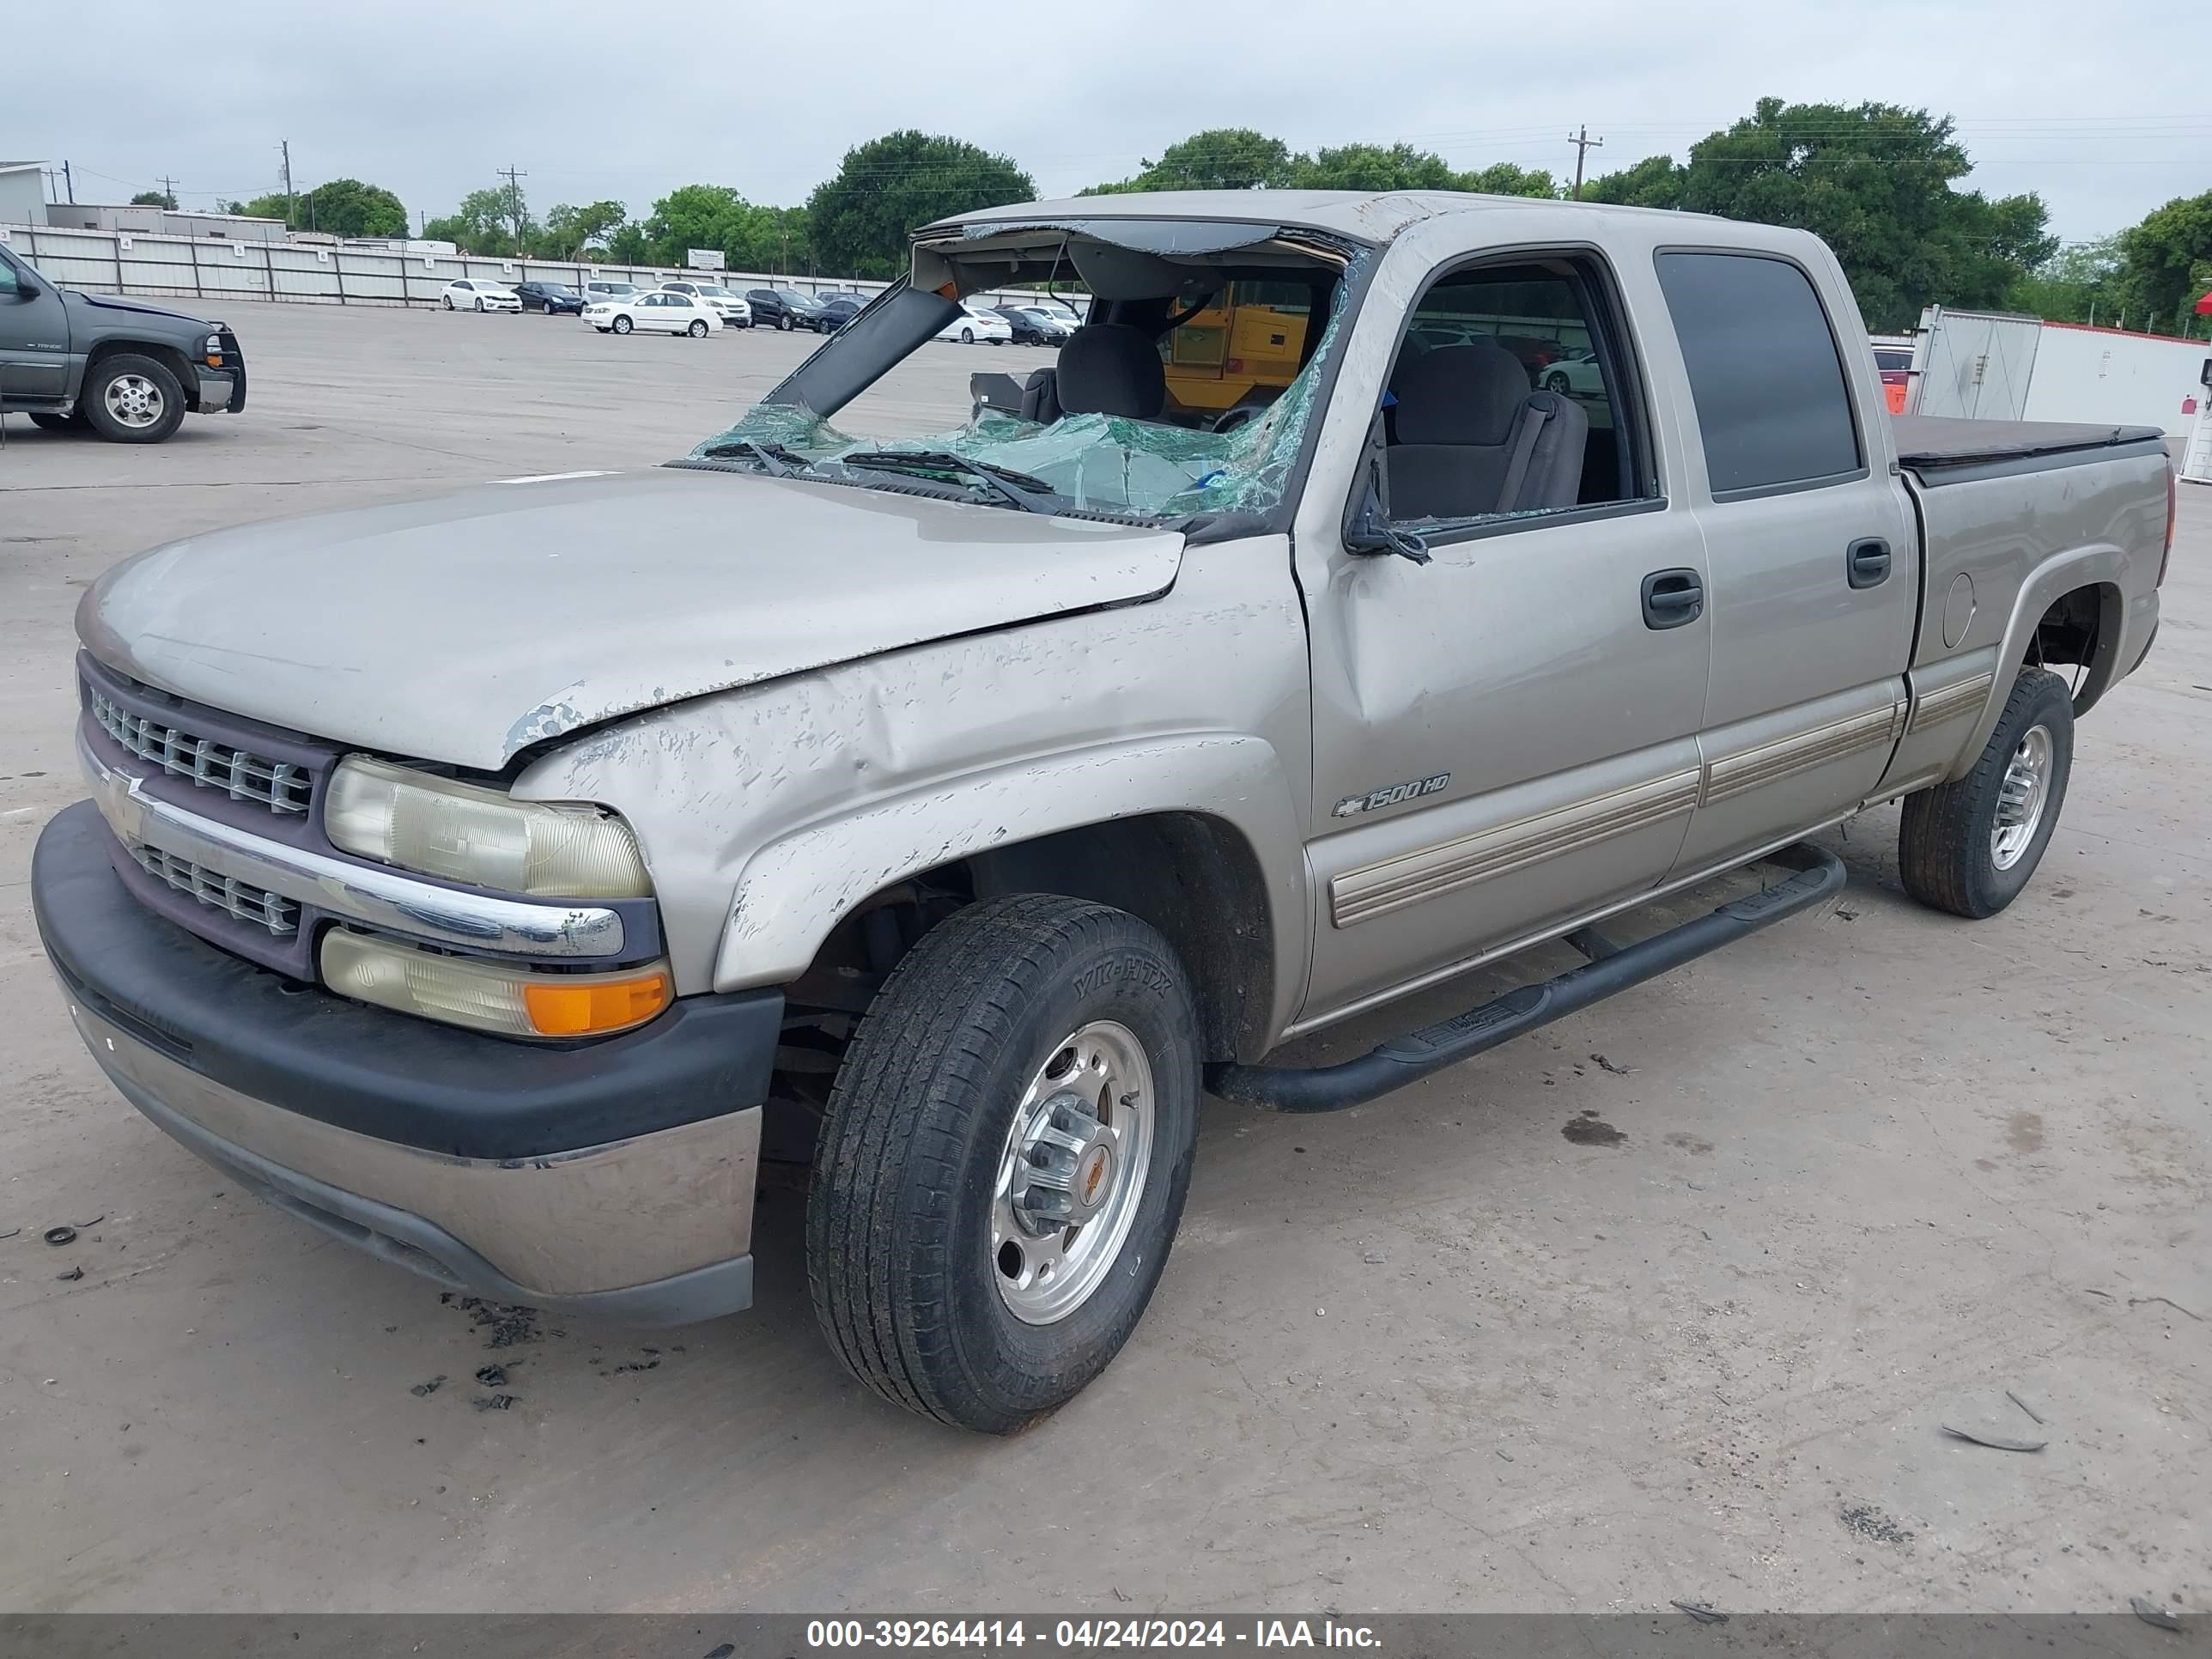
492	882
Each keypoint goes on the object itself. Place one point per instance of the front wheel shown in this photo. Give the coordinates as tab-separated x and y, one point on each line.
129	399
480	304
622	324
1005	1159
784	322
1970	846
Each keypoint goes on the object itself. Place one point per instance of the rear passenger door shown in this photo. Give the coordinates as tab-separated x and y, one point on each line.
1810	547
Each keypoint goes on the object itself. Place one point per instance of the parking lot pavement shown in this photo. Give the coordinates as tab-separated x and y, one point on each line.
1671	1299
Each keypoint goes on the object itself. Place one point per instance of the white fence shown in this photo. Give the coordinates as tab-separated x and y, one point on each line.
210	268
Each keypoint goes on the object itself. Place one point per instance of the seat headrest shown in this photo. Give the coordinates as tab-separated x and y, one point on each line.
1111	369
1459	394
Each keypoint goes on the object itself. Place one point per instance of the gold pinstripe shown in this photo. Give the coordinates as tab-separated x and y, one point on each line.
1965	697
1769	762
1375	890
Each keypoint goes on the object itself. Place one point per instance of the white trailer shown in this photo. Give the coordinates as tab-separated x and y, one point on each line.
1992	367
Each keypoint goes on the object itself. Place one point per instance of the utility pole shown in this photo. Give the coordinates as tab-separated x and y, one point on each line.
169	188
1583	144
68	181
511	173
284	145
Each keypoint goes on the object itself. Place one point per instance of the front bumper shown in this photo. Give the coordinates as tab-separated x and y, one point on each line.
615	1178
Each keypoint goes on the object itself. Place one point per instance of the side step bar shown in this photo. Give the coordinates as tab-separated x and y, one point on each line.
1611	968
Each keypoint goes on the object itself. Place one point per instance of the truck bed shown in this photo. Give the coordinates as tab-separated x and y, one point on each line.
1935	444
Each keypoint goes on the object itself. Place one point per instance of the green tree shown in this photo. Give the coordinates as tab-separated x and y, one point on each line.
1874	181
2166	263
569	230
1373	167
481	224
347	207
264	207
1221	158
154	198
859	220
2075	285
627	246
1653	182
1503	178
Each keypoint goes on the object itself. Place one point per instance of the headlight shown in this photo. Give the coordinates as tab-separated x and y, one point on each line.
214	351
512	1002
481	836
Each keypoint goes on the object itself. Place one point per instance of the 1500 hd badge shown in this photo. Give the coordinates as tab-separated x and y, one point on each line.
1352	805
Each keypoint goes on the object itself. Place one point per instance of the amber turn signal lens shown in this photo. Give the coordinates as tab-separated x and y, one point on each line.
592	1006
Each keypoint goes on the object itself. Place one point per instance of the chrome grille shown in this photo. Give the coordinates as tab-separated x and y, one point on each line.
276	785
279	914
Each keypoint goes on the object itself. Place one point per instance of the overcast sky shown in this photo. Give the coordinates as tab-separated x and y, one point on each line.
2103	111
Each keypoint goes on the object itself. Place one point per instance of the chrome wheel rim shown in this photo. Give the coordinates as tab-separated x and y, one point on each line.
133	401
2021	798
1072	1172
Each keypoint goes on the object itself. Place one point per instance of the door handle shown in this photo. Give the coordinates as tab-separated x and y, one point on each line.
1867	562
1671	597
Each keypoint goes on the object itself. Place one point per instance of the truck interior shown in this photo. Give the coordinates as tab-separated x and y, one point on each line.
1128	422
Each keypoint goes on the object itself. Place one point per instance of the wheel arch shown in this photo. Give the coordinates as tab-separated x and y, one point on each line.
2074	605
1224	881
169	356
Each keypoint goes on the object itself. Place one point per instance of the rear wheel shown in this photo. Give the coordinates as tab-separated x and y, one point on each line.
1005	1159
446	301
967	336
129	399
1969	846
1558	383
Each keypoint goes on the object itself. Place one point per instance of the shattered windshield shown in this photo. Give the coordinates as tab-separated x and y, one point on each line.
1240	369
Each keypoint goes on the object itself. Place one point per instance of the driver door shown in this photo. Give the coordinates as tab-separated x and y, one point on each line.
34	339
1505	738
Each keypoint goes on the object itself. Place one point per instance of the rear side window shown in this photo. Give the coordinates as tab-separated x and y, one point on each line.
1773	408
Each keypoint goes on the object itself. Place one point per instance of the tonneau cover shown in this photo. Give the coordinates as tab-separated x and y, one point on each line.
1933	440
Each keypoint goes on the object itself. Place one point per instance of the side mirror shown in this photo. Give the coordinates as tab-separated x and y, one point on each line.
1369	530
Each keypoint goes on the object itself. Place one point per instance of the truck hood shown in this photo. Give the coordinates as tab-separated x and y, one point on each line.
468	628
109	303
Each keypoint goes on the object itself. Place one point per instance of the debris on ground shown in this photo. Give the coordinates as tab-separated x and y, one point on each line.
633	1366
1589	1129
1994	1440
1870	1522
73	1274
1605	1065
11	1232
96	1221
2024	1405
1374	1258
723	1651
504	1324
492	1376
2151	1613
492	1402
58	1235
429	1388
1701	1612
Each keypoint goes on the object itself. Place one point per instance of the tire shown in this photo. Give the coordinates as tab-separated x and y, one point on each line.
621	326
697	330
1970	846
784	322
916	1260
129	399
47	421
446	301
480	305
967	336
1558	383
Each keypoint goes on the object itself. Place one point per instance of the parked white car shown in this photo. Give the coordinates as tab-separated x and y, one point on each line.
734	309
658	310
1576	373
977	322
466	295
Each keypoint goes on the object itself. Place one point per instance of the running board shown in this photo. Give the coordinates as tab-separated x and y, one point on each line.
1611	968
